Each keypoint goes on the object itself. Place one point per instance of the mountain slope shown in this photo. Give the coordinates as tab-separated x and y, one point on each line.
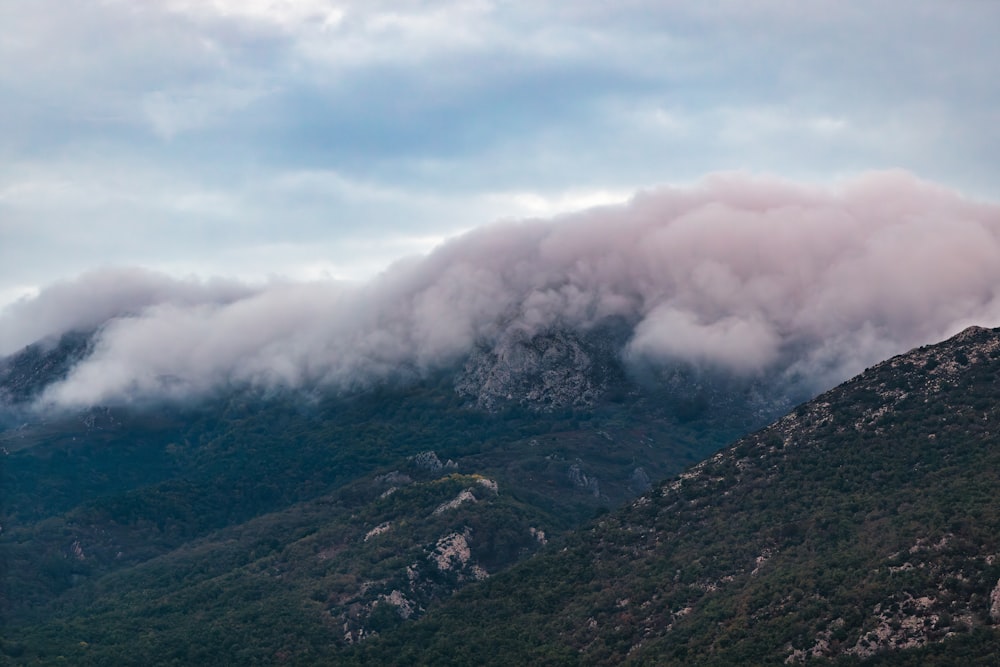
862	527
23	376
124	518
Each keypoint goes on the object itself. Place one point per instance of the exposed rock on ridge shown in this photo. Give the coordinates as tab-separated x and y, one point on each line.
545	372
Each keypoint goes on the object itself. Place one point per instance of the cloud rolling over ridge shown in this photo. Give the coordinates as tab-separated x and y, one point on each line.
748	274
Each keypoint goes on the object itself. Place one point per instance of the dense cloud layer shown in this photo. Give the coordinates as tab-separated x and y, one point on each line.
747	274
103	295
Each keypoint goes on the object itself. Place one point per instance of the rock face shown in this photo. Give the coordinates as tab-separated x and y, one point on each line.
580	480
543	372
639	481
572	371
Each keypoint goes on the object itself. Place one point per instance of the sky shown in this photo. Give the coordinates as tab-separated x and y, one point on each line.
195	155
318	139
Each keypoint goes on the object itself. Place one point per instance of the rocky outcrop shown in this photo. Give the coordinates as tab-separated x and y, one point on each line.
995	604
583	481
542	372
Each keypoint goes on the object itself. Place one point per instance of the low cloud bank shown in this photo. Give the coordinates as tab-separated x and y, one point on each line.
747	274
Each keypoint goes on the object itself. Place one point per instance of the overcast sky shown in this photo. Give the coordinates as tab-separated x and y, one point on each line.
312	138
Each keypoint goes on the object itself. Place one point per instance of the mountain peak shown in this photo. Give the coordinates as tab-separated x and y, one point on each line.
973	333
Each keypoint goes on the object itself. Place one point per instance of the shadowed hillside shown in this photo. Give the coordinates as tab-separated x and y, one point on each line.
862	527
185	531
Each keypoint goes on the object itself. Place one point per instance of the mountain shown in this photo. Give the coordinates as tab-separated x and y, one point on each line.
270	525
862	528
416	525
25	375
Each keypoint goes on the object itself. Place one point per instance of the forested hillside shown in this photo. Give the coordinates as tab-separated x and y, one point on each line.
864	527
255	525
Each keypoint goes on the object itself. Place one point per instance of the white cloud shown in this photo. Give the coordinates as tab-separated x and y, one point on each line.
527	204
283	13
743	273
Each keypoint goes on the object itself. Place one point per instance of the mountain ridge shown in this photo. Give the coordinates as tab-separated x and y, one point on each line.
353	520
862	527
109	500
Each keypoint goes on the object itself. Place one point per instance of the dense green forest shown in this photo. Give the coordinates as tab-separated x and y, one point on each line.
406	526
863	527
133	534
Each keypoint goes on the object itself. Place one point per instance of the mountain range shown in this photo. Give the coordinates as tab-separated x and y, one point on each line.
863	527
527	438
510	511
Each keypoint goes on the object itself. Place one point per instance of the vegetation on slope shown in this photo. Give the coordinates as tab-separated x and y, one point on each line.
862	527
234	531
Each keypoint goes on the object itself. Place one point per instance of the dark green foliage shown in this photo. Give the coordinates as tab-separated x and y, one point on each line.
233	531
266	530
872	509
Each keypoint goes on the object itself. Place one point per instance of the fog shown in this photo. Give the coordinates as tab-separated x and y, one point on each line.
746	274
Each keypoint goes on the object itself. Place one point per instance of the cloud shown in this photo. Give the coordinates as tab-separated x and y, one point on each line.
178	133
748	274
100	296
734	343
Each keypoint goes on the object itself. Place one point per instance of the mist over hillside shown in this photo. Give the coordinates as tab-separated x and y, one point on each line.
336	460
754	276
